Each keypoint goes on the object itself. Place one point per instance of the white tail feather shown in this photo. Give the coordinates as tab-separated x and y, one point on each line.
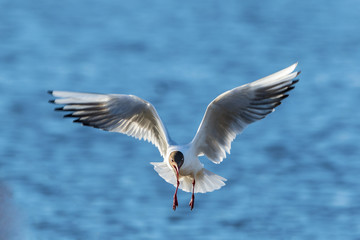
205	181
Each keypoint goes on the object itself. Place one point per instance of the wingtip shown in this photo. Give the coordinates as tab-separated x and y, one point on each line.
68	115
50	92
290	88
294	66
284	96
294	81
288	70
52	101
276	104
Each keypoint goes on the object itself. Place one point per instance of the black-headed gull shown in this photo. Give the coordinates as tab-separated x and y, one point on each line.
225	117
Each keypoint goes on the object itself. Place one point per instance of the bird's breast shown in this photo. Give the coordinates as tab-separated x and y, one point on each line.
190	167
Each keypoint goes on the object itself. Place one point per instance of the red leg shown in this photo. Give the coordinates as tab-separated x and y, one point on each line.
191	204
175	202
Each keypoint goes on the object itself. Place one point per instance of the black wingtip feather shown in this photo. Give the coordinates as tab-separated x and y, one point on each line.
295	81
283	97
52	101
68	115
277	104
59	109
285	90
50	92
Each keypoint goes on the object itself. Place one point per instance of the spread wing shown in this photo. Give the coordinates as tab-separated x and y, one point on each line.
228	114
126	114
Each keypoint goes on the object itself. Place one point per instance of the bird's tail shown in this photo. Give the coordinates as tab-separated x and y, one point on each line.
205	181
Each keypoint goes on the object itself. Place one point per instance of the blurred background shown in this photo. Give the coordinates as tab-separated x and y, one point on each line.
293	175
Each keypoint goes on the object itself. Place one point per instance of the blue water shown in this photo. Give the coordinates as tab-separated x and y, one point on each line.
294	175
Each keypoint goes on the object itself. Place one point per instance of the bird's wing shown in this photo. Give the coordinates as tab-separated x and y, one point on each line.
126	114
229	113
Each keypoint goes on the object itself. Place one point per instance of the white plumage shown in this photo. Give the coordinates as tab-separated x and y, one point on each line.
225	117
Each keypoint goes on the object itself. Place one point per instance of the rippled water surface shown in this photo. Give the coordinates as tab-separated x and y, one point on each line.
293	175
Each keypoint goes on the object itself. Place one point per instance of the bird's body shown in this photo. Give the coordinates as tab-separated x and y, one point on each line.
225	117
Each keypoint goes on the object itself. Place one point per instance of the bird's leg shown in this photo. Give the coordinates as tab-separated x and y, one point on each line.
175	202
191	204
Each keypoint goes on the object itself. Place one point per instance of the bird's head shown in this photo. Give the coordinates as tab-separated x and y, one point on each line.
176	160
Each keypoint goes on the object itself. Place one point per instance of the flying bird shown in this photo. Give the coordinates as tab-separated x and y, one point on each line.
225	117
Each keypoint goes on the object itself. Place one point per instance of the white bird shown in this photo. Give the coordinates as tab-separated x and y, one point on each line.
225	117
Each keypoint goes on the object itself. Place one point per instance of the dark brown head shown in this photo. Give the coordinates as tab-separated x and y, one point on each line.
176	160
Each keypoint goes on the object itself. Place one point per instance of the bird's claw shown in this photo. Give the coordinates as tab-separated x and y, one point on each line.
191	203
